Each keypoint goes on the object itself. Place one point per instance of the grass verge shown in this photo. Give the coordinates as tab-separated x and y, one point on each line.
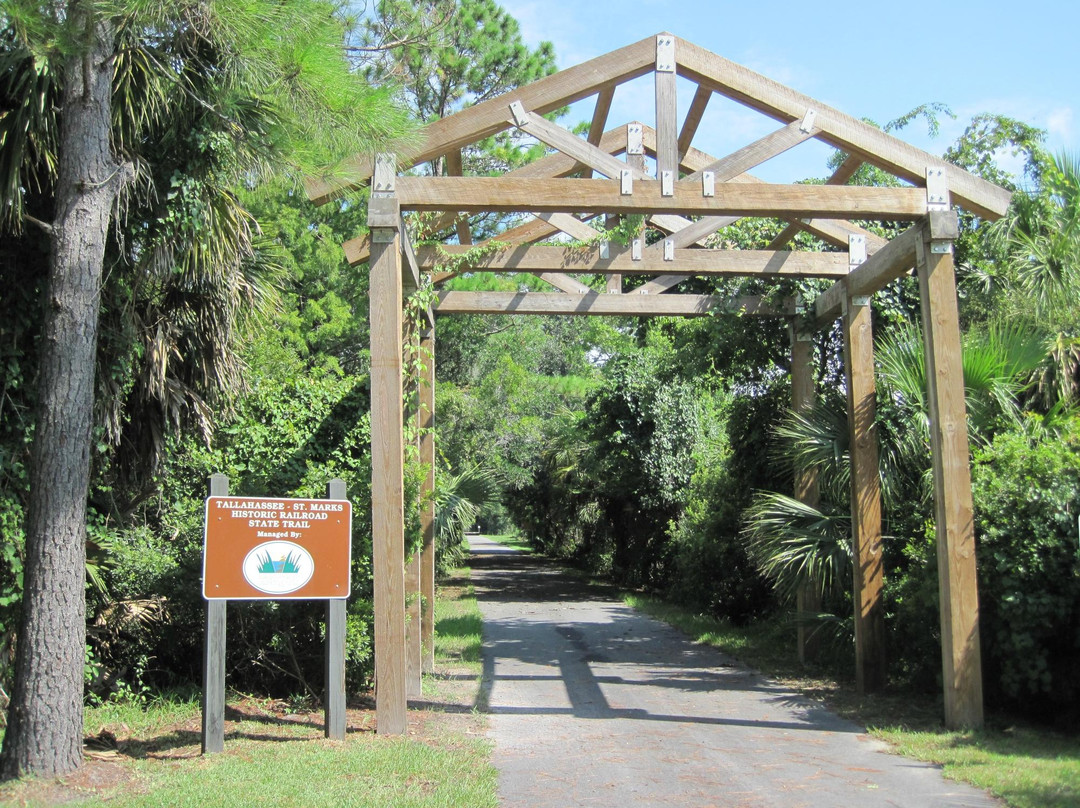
150	756
1025	766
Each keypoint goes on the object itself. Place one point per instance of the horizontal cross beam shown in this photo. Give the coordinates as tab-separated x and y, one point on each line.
602	304
579	260
496	194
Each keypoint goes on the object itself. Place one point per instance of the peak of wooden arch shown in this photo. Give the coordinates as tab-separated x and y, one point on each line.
712	74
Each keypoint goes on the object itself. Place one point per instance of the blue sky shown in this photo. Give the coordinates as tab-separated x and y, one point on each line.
868	59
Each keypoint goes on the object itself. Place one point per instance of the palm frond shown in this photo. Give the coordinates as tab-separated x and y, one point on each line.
797	545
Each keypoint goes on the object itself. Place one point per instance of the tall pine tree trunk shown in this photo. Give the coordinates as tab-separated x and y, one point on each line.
45	719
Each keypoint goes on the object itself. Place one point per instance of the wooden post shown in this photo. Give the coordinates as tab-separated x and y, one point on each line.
427	493
334	679
667	124
213	695
413	618
960	650
870	671
387	451
808	598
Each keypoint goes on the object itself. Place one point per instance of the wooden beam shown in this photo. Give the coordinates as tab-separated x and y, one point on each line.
410	273
870	670
884	266
454	168
693	119
599	118
954	523
564	283
427	498
580	260
843	173
571	145
552	166
833	231
659	285
558	164
667	125
498	194
684	232
567	142
599	304
387	481
614	284
488	117
756	153
571	225
807	491
613	141
840	130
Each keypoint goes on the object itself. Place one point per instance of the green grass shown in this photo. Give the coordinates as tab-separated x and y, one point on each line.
458	624
273	758
766	646
299	769
1027	767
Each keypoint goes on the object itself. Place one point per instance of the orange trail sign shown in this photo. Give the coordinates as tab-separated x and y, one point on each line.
270	548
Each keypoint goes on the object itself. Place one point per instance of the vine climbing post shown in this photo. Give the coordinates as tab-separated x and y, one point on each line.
387	450
427	496
413	619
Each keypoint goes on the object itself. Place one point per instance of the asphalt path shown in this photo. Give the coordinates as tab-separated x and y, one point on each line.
594	704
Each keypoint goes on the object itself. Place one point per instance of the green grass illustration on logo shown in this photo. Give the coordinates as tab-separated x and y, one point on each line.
289	563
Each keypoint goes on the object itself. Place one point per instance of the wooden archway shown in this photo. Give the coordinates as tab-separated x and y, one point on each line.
689	197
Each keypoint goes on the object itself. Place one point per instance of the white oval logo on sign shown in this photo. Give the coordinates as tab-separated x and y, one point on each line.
278	567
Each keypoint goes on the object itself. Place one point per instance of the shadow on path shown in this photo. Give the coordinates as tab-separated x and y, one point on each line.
592	703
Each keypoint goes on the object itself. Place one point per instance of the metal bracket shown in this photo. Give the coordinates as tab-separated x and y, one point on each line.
382	182
669	249
807	125
667	183
800	305
856	249
626	182
804	336
635	139
860	300
937	189
635	250
665	53
941	247
708	183
605	251
382	235
521	117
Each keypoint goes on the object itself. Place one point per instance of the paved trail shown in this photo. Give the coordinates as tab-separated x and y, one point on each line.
594	704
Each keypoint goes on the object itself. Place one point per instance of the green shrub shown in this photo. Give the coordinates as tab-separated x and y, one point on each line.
286	438
1026	485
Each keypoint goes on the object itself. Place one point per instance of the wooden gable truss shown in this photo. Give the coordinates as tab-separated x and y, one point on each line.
688	197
